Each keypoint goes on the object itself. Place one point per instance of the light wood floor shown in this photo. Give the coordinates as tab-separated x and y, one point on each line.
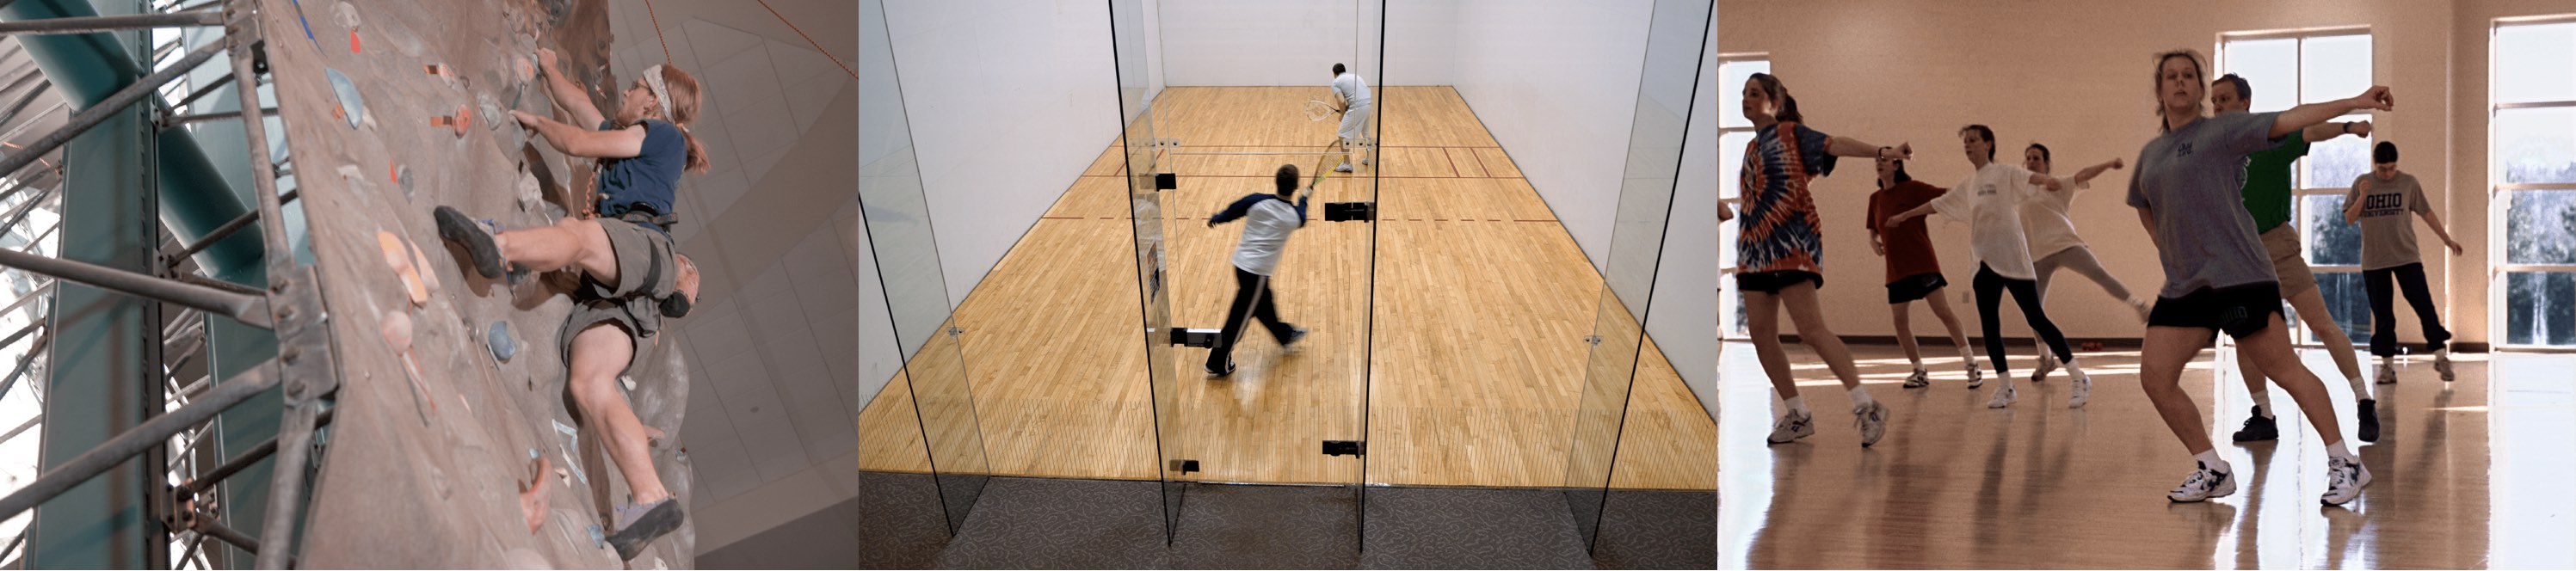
1474	341
2466	474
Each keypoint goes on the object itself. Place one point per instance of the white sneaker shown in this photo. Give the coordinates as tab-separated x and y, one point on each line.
1919	379
2047	364
2387	375
1976	376
2003	397
1793	426
1346	167
2142	305
2344	480
2442	364
1872	420
2083	391
2202	484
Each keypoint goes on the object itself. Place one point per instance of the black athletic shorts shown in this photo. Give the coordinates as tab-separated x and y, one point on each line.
1773	282
2241	311
1914	287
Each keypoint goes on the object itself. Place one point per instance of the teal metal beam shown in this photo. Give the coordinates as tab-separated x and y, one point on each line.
105	376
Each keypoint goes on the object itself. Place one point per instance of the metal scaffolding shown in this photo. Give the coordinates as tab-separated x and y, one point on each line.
290	306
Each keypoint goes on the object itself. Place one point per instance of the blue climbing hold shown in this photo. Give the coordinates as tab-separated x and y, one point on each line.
503	347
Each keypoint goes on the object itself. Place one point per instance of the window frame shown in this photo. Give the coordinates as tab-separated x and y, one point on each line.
1730	300
2499	197
2303	188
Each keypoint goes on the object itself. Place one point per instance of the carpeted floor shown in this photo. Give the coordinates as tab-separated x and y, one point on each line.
1021	523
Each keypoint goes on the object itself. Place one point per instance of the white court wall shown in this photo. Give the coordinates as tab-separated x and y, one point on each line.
1009	101
1684	321
1270	42
2074	76
1556	84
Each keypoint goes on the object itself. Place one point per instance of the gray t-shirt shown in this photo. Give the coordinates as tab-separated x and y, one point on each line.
2387	231
2189	179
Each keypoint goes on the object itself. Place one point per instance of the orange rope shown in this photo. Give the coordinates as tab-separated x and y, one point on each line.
657	31
800	32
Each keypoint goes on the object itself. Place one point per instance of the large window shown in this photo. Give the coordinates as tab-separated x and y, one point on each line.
2295	68
2532	163
1733	131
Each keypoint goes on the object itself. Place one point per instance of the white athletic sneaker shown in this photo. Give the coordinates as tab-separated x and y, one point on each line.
2143	307
1976	376
1346	167
2387	375
2442	364
2202	484
2047	364
1919	379
2344	480
2083	390
1793	426
2003	397
1872	420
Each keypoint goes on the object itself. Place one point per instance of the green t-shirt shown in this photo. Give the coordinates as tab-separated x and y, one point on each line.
2267	182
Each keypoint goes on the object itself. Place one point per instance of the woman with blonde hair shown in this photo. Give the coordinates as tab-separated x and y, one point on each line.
2217	274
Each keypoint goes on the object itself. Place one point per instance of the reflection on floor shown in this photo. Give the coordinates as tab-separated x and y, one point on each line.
2467	474
1025	523
1470	319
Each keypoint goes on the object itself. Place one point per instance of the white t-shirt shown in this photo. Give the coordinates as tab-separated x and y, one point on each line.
1352	89
1990	202
2044	217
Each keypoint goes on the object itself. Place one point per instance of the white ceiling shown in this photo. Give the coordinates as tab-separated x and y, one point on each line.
772	344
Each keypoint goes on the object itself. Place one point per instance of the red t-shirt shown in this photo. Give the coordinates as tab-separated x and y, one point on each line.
1909	246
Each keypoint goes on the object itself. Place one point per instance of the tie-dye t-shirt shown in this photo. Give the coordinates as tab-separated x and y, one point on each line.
1781	231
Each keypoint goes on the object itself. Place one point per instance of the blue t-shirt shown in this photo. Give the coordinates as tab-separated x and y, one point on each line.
650	178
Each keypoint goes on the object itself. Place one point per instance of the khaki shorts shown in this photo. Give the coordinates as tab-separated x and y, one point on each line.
2282	242
646	272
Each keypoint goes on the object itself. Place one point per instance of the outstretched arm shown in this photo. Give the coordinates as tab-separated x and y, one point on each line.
2086	175
566	93
1236	211
1850	147
1901	217
2326	131
580	142
2300	117
2435	222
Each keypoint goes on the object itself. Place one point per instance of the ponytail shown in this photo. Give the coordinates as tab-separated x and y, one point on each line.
685	102
1788	104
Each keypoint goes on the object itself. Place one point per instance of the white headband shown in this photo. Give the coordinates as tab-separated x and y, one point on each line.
661	91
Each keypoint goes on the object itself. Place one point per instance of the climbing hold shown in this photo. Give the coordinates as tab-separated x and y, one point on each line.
399	257
352	106
347	16
402	176
532	494
427	274
503	347
490	110
463	119
397	330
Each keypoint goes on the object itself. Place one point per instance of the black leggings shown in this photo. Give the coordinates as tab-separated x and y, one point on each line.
1990	288
2383	310
1251	303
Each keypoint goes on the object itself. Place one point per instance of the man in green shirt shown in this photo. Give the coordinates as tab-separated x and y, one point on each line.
2267	197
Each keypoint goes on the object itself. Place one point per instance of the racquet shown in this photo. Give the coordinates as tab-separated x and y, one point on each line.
1317	110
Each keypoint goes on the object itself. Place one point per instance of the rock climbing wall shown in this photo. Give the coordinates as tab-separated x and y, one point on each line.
442	453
